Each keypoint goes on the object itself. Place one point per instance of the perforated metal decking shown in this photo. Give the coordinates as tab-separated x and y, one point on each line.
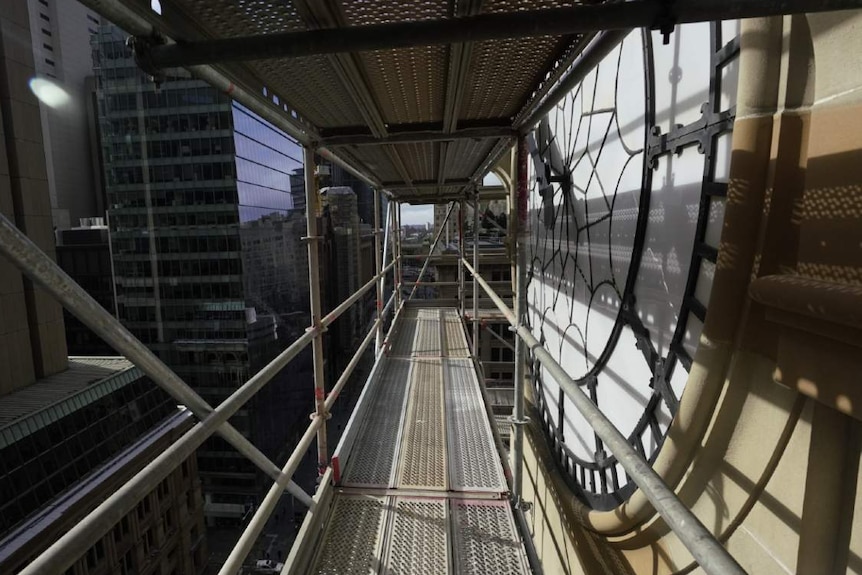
422	491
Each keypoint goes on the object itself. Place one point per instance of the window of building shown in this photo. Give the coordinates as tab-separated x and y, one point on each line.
95	555
127	565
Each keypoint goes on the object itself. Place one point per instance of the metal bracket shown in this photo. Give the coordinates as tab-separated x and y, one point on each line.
665	22
141	47
511	419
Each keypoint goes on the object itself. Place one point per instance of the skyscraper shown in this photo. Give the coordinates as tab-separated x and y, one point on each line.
207	251
31	331
60	33
72	429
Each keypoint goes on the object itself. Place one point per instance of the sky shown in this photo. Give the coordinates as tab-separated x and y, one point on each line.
421	214
416	215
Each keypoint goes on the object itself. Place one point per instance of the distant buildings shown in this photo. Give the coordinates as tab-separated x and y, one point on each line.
83	253
209	264
32	343
67	442
60	37
72	429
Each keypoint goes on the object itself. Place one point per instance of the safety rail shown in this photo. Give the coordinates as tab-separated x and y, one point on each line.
40	268
21	251
701	543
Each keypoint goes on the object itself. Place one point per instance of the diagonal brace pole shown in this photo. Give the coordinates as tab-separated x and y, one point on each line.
431	251
22	252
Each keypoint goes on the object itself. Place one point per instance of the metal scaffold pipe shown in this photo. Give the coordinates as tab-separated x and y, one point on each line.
258	521
576	19
701	543
311	213
36	265
396	242
378	265
522	236
66	550
462	295
475	285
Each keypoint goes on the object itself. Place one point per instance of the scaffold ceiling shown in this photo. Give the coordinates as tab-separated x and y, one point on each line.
420	97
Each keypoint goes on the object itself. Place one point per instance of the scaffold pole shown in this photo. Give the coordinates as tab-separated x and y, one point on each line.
520	222
311	214
378	265
475	284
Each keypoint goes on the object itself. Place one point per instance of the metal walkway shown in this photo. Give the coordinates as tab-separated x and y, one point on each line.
422	489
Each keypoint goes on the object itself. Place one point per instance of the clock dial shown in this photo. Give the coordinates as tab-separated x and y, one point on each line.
628	176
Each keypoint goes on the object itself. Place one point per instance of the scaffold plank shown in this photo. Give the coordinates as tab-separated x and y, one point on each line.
424	489
402	341
423	449
353	540
428	339
375	453
420	542
473	461
456	342
485	538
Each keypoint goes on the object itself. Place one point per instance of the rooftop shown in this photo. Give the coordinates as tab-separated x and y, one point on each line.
80	378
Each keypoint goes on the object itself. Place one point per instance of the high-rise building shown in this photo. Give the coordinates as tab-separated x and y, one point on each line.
207	250
72	429
340	204
60	33
450	234
68	441
32	343
83	253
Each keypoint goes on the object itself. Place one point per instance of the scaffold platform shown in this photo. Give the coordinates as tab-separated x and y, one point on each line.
418	485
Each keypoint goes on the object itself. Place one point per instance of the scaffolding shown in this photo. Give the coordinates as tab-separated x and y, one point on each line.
426	341
365	501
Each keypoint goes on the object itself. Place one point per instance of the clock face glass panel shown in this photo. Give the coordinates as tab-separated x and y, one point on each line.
627	183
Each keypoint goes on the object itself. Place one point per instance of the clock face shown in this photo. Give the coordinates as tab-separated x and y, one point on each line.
628	179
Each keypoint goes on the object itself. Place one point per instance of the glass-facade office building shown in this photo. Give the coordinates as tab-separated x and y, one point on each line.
209	268
44	453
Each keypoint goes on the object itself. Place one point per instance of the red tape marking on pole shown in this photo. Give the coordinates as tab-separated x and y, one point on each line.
336	469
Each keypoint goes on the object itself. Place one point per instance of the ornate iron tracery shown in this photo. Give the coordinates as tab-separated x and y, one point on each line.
590	291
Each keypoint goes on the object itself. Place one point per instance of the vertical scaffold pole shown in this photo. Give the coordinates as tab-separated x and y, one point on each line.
522	235
462	295
476	283
400	266
313	238
378	265
396	252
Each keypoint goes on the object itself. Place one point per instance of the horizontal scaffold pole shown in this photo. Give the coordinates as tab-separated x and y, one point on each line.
36	265
578	19
246	542
22	252
701	543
